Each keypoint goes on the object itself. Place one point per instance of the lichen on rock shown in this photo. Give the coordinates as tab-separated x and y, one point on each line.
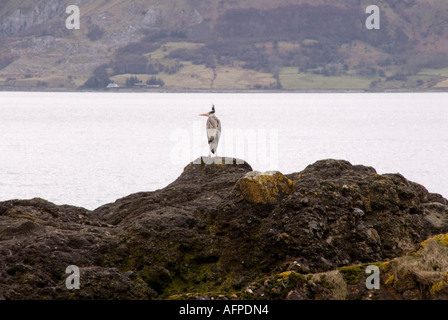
263	187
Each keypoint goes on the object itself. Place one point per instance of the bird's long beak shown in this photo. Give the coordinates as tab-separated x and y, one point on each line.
204	114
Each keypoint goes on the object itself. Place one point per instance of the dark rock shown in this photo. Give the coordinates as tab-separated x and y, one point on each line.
218	228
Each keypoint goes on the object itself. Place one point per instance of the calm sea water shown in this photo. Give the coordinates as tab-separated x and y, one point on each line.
88	149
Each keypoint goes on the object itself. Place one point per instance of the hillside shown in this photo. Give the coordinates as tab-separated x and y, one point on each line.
255	44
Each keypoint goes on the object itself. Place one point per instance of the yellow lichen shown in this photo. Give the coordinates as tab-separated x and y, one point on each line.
285	274
264	188
390	279
385	265
367	205
443	239
440	238
437	287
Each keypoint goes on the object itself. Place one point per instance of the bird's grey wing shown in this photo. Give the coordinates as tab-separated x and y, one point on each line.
218	125
213	129
209	128
213	123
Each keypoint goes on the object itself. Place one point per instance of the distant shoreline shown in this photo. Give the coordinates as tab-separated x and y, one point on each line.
129	90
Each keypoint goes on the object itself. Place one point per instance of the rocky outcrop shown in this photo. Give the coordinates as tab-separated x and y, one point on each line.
33	13
27	17
222	230
268	187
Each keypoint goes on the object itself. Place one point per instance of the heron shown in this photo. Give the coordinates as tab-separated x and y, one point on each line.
213	128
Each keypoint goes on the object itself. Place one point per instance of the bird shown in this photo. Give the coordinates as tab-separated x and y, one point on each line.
213	127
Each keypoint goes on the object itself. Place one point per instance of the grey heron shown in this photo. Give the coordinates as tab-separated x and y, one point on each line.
213	128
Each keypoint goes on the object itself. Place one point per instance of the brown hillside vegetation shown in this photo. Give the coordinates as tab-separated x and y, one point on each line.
225	44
